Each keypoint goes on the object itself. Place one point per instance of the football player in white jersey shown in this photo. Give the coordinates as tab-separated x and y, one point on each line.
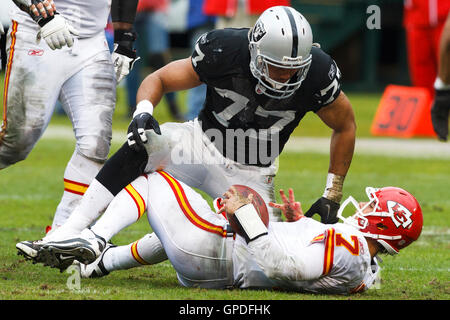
299	254
73	65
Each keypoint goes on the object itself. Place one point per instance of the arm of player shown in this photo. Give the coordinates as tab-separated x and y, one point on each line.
123	14
175	76
339	116
277	263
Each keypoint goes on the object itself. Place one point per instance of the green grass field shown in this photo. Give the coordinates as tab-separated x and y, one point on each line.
31	189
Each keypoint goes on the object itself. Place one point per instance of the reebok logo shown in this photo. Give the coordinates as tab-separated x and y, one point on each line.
35	52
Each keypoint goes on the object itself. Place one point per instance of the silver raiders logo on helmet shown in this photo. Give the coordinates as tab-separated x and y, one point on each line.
258	31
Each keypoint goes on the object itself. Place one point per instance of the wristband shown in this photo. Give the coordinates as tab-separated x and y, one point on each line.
125	38
143	106
333	189
250	222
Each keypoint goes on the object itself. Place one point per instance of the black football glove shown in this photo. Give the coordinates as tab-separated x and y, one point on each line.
136	130
327	210
440	112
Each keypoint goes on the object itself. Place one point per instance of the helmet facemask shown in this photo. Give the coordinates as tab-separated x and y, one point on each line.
259	66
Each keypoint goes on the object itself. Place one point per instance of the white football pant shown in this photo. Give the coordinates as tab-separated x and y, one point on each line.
183	222
189	233
83	79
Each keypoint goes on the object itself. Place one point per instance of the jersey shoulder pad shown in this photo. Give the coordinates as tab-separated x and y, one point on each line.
323	79
219	52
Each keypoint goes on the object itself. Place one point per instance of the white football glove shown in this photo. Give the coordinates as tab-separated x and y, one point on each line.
57	33
1	29
124	55
122	63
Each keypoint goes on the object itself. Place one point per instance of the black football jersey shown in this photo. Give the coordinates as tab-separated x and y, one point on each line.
245	126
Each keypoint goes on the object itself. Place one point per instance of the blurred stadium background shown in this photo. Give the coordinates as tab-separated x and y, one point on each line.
368	58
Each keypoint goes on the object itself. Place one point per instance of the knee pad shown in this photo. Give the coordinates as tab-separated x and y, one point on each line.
122	168
14	149
8	158
95	148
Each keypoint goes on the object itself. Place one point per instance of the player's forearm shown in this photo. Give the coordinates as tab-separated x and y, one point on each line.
122	26
123	13
339	116
444	54
341	154
151	89
341	151
276	263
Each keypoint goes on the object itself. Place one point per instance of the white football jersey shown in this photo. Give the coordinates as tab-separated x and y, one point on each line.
89	17
305	256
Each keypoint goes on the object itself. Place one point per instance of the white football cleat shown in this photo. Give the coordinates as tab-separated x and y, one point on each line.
32	250
29	249
85	248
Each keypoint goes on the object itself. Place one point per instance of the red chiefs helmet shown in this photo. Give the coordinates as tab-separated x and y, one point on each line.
392	216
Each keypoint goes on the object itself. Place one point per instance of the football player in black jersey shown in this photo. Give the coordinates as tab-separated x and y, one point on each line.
262	80
260	84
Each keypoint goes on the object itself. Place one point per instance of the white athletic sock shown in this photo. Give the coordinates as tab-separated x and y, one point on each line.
94	202
125	209
441	85
79	173
145	251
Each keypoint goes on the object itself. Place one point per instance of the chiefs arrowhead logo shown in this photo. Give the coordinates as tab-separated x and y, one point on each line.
399	214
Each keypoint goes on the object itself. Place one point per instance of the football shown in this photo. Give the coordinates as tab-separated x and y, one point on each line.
258	203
